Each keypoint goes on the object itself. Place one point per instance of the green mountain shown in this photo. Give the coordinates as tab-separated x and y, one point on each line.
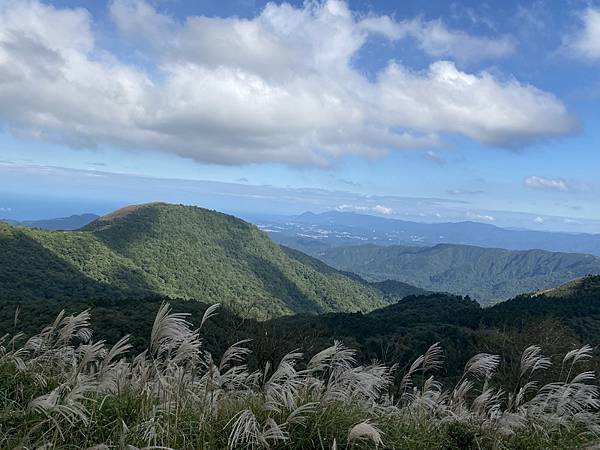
180	252
575	304
487	274
578	288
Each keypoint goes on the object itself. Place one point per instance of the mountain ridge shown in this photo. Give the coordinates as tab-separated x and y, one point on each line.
334	228
487	274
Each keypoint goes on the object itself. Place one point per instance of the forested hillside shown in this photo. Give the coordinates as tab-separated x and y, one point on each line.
180	252
488	275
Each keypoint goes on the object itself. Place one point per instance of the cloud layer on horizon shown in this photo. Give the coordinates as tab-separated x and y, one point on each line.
100	192
266	89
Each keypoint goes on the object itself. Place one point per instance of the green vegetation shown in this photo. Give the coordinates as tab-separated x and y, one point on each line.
68	388
576	305
394	335
489	275
60	389
180	252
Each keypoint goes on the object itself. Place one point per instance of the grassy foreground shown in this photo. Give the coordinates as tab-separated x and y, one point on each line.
59	389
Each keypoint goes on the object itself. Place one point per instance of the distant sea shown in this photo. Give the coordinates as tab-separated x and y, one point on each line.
27	207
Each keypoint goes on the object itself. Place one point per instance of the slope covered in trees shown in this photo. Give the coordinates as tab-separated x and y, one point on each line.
180	252
489	275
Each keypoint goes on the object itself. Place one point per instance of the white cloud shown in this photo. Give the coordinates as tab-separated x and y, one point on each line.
539	220
5	209
434	157
138	18
585	42
573	221
556	184
383	210
378	209
481	217
436	40
232	90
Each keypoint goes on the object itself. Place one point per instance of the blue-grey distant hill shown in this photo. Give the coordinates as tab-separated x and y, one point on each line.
73	222
310	232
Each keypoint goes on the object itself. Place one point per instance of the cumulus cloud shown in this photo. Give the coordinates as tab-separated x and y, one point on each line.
557	184
585	42
539	220
269	88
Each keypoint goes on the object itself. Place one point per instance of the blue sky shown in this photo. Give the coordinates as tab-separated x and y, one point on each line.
432	111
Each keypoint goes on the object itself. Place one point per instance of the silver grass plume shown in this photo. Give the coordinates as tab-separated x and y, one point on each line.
366	431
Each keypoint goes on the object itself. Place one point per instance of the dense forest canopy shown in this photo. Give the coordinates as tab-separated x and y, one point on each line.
486	274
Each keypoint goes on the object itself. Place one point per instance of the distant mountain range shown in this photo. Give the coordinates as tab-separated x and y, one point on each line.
180	252
62	223
311	232
486	274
